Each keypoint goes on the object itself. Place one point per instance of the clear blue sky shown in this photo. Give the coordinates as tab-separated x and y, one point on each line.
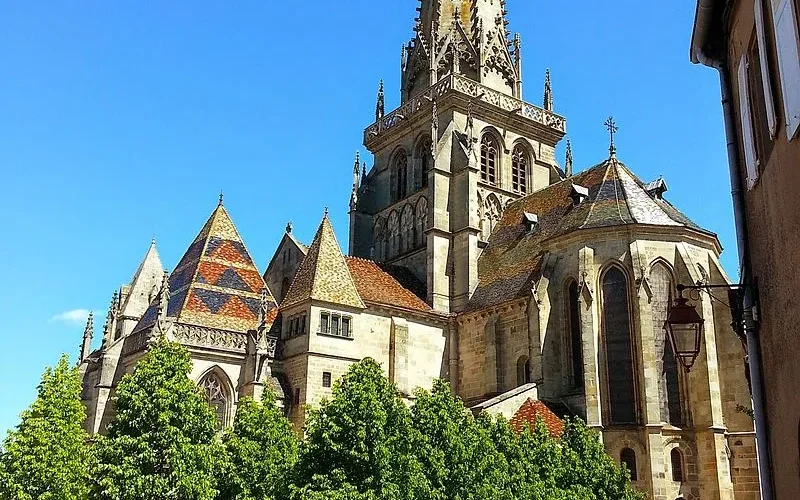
120	121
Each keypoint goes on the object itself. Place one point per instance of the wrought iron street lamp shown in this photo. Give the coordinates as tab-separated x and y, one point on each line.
684	325
685	329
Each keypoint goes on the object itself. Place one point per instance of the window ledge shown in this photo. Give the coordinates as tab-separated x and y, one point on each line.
323	334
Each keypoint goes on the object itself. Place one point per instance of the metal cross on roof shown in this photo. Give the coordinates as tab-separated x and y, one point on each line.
612	128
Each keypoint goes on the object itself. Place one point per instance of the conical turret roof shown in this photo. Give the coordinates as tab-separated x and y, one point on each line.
324	275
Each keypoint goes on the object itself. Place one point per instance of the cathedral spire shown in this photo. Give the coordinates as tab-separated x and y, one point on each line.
462	37
548	91
88	333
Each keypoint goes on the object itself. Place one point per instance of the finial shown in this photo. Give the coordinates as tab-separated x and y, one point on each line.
612	128
221	196
153	241
263	310
381	105
289	227
364	170
325	216
356	167
568	163
548	91
89	330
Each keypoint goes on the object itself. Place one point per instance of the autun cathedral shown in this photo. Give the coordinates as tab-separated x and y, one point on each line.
475	257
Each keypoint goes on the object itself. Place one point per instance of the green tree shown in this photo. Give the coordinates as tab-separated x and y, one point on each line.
163	441
359	444
261	451
458	455
46	456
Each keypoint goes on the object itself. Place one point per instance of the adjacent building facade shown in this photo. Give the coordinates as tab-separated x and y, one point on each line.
755	46
473	256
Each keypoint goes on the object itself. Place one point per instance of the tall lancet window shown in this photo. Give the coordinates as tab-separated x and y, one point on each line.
519	170
217	396
669	389
575	344
400	176
489	152
424	162
618	345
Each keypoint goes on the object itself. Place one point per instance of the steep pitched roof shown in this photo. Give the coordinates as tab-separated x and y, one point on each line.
379	287
531	410
324	275
144	285
216	284
514	255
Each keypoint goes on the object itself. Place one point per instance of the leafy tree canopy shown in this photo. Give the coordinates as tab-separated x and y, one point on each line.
163	441
360	443
46	456
261	451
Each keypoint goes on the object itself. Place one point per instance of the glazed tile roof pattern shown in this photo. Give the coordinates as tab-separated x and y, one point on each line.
531	410
324	274
379	287
514	256
216	284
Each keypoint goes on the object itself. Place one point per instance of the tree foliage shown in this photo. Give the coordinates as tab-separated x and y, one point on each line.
45	457
261	451
359	443
163	441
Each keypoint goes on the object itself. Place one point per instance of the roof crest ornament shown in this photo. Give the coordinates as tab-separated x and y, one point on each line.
221	196
612	128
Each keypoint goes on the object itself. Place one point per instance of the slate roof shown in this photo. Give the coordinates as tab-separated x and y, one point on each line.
324	275
215	284
514	256
531	410
144	285
379	287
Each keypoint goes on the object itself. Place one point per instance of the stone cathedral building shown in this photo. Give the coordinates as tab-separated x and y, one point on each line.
473	256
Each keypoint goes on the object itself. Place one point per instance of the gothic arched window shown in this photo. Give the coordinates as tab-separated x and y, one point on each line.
393	228
421	221
676	461
519	169
490	215
628	457
399	176
423	164
407	229
217	395
523	371
669	390
575	344
489	156
618	348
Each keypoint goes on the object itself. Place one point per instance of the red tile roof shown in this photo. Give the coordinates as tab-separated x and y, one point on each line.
377	286
529	411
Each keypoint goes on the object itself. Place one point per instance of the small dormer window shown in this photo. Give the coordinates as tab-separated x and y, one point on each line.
531	221
579	194
657	188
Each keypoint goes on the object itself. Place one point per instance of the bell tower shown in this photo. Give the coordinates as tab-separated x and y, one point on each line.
460	146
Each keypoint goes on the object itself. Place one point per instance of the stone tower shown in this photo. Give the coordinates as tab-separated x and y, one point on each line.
461	145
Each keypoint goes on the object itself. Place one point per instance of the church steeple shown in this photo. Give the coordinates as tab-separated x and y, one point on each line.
464	37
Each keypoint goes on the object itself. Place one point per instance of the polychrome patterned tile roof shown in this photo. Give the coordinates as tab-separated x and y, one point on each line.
514	255
531	410
324	275
379	287
216	284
